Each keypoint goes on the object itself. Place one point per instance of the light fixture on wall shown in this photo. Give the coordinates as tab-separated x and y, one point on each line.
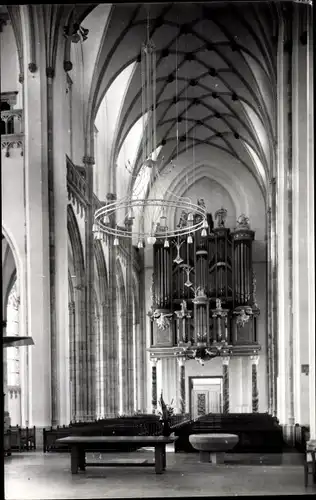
152	207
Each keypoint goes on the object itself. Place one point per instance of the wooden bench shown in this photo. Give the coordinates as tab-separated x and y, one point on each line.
142	425
79	445
310	461
7	443
22	438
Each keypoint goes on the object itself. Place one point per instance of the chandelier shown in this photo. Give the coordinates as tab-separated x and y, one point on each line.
149	210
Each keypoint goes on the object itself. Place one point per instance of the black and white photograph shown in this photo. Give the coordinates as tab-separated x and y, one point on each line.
158	249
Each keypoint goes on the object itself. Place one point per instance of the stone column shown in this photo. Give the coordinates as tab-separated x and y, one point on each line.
37	245
311	226
303	214
182	398
72	367
154	384
129	351
88	162
107	358
112	355
225	363
285	407
254	379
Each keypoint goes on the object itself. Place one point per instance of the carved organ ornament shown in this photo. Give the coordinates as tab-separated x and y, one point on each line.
204	290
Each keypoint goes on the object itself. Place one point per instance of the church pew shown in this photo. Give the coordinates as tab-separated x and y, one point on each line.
124	426
257	432
22	438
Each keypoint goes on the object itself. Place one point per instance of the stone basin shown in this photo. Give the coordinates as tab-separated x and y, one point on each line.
212	447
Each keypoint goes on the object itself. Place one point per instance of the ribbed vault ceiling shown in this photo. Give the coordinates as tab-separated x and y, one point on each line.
224	55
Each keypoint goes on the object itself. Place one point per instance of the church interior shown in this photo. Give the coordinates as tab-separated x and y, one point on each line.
158	260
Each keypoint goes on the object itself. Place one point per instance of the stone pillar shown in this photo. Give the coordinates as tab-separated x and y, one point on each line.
272	298
37	245
182	398
254	379
311	226
303	213
98	362
88	162
72	367
102	333
112	353
285	408
154	397
225	363
129	351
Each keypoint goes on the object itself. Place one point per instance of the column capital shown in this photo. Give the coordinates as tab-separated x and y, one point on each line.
32	67
254	359
181	361
225	360
88	160
154	361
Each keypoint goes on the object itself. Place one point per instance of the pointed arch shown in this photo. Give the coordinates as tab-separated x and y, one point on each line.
77	318
101	269
76	243
10	270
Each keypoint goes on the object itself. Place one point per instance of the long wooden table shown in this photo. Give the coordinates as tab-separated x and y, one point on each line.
79	445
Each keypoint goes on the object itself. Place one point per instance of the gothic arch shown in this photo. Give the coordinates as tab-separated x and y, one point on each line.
101	269
76	244
10	269
77	318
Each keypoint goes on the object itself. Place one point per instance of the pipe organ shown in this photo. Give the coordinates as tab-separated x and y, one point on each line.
203	288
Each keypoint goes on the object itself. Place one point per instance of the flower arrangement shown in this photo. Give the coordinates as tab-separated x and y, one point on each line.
166	410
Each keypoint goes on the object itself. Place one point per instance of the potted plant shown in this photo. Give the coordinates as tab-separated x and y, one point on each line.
166	412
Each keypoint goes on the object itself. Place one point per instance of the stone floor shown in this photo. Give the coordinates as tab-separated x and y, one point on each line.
35	475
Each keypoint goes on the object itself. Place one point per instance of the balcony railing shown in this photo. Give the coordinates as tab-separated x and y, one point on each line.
12	136
11	121
77	187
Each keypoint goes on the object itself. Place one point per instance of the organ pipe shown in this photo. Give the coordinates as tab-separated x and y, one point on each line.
219	266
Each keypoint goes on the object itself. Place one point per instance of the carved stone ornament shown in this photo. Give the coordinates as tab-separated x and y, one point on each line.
220	216
12	141
243	222
32	67
67	66
218	304
163	320
183	222
184	308
242	319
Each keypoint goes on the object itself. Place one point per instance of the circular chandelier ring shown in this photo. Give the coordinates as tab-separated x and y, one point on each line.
113	207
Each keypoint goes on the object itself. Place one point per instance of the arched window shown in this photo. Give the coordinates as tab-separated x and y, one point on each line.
13	358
